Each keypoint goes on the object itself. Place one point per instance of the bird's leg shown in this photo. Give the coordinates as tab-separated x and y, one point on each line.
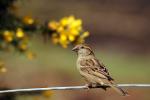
102	85
89	85
94	85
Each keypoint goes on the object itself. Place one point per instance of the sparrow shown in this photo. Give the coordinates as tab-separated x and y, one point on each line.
93	70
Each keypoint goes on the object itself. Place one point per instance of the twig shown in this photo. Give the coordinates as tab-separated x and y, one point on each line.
70	88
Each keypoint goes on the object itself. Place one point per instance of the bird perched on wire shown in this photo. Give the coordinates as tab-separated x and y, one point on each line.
93	71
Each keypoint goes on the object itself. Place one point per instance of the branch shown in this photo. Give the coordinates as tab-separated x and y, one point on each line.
71	88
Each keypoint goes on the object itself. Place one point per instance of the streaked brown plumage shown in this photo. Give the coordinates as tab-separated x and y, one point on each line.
93	70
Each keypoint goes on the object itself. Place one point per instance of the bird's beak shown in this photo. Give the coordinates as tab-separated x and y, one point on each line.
75	49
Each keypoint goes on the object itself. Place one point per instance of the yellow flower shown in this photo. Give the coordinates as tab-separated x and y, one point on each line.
64	45
68	30
63	40
8	36
30	55
19	33
64	21
28	20
63	37
3	70
60	29
47	93
70	19
76	23
55	38
23	46
53	25
74	32
71	38
80	40
2	67
85	34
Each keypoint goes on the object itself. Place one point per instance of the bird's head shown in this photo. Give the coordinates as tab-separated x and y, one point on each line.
83	49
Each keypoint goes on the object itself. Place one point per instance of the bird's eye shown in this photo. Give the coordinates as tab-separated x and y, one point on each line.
82	47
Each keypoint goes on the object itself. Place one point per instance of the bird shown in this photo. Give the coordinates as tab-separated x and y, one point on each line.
93	70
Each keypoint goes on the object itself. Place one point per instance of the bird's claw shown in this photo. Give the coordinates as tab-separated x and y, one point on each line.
92	85
88	86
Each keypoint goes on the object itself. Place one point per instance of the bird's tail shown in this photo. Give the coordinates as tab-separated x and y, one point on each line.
119	90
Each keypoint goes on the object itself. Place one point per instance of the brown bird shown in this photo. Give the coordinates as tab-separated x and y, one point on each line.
93	71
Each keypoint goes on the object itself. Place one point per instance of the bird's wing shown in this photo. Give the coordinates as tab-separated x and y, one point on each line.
94	67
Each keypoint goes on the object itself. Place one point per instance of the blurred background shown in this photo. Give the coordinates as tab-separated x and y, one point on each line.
119	34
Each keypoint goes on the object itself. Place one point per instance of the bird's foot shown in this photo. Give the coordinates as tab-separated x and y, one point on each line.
103	86
91	85
88	86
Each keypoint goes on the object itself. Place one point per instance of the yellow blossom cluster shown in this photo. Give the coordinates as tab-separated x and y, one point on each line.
28	20
2	67
16	38
67	30
47	94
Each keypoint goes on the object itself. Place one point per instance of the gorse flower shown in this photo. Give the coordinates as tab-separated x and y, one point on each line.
47	93
8	35
2	68
16	38
20	33
28	20
67	30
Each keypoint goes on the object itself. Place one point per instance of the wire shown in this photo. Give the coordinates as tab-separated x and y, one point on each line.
70	88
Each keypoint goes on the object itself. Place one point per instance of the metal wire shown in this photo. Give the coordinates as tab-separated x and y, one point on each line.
70	88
